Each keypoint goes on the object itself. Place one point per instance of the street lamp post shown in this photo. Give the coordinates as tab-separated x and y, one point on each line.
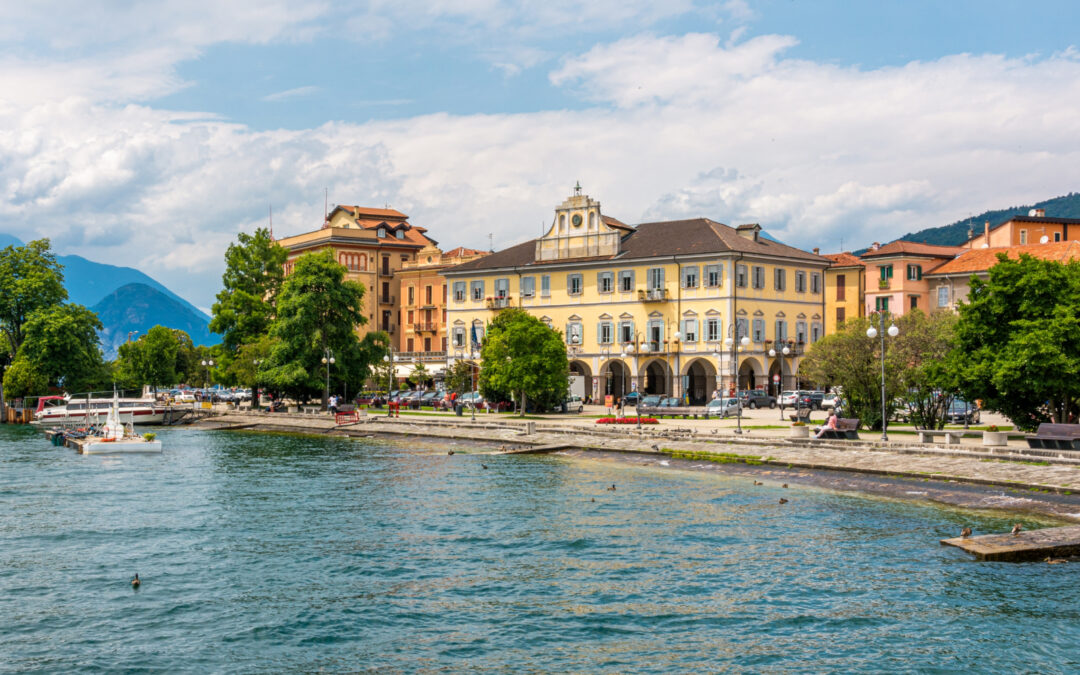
389	377
255	398
208	364
328	360
872	333
780	390
3	405
734	346
474	355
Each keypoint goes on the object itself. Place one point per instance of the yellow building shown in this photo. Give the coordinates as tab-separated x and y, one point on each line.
372	244
845	289
651	307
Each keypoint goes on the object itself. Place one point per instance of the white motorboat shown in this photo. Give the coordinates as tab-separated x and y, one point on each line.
115	437
69	411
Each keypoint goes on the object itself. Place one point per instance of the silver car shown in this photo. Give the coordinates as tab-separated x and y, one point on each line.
722	407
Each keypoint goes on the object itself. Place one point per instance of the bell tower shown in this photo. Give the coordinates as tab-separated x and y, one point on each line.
578	231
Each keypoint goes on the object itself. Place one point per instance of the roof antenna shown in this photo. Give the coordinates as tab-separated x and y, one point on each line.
326	205
270	208
491	245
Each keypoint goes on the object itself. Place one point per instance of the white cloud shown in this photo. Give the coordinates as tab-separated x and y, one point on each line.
288	94
813	152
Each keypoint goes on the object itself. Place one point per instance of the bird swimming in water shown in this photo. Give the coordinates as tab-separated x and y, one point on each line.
966	532
1016	528
656	447
135	581
483	466
784	485
783	501
593	499
1055	561
450	452
757	482
612	488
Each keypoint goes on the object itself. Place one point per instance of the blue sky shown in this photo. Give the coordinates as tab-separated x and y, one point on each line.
149	134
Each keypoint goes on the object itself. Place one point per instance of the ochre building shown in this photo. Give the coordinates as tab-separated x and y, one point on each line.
423	298
656	307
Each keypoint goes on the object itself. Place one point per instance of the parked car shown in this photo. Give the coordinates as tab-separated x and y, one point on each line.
959	410
651	401
788	399
574	404
723	407
757	398
811	399
669	402
430	398
184	397
830	400
631	399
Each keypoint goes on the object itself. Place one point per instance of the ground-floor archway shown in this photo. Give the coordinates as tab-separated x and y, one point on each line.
700	378
582	370
615	380
657	378
750	374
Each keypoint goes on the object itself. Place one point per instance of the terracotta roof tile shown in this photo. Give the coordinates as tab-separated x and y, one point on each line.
982	259
845	259
900	247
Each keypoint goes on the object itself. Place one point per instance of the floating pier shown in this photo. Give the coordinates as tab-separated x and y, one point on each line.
1024	546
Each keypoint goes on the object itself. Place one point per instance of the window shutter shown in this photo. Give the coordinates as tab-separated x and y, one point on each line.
600	333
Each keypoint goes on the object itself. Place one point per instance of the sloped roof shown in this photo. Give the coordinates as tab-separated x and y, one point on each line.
900	247
845	259
369	212
461	252
650	240
982	259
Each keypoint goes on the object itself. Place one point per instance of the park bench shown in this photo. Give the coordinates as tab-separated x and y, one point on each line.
846	428
1056	437
675	411
311	409
800	415
951	436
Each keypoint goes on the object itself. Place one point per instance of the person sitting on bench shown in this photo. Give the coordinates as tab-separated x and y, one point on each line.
830	424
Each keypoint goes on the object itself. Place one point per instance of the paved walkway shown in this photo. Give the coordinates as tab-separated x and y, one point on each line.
967	463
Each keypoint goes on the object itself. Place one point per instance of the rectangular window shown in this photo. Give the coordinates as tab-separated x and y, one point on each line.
656	278
881	304
943	296
800	331
443	296
690	277
886	272
410	319
605	282
914	301
713	278
841	287
502	288
815	282
626	281
712	330
626	332
410	295
759	277
1023	236
409	345
914	272
815	332
841	315
477	290
459	291
574	334
781	329
689	330
800	281
779	279
605	332
386	291
1057	236
459	336
574	284
528	287
545	286
427	295
742	329
740	276
759	330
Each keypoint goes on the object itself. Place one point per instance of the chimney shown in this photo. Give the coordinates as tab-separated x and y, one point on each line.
986	233
749	231
817	251
875	246
1040	213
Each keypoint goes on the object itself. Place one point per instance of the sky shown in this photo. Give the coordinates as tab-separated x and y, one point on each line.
150	134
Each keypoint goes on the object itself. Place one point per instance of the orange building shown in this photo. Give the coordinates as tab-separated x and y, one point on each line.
423	300
372	244
894	275
1034	228
845	290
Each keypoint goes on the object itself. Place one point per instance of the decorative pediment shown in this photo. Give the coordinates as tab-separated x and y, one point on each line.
816	317
741	312
689	312
574	317
580	230
626	316
712	312
780	314
758	312
459	322
656	315
801	316
605	316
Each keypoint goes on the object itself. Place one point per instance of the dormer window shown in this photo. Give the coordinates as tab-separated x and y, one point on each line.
400	234
381	232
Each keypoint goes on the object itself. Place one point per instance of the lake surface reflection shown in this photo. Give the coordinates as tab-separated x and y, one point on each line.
268	552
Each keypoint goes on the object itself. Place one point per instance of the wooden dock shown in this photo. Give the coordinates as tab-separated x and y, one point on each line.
1025	546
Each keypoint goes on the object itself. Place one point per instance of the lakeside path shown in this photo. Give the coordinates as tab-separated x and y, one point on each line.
969	464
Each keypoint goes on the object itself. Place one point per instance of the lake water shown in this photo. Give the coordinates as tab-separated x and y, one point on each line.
264	552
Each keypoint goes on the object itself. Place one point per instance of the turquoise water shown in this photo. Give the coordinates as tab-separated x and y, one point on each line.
273	553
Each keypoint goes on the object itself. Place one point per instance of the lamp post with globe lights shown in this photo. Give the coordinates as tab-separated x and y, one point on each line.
734	345
328	360
872	333
780	390
208	364
389	359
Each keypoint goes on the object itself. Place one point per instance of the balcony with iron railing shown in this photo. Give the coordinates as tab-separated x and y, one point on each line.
425	327
653	295
884	284
499	302
420	356
386	299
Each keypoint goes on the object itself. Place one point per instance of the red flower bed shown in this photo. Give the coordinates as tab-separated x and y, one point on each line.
627	420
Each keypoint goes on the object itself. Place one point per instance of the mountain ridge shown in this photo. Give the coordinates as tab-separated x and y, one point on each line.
138	307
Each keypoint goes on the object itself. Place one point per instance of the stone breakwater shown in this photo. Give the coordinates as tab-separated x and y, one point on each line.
1003	481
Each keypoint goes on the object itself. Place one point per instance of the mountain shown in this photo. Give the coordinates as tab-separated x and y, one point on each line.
140	307
88	283
8	240
956	233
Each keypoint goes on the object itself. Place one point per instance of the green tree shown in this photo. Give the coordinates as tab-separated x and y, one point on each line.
920	355
30	280
1018	341
459	377
254	272
525	358
22	379
61	343
851	360
152	359
318	310
419	375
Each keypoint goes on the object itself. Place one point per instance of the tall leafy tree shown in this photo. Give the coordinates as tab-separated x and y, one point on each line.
523	357
318	311
920	355
254	272
1018	341
61	343
22	379
30	280
152	359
